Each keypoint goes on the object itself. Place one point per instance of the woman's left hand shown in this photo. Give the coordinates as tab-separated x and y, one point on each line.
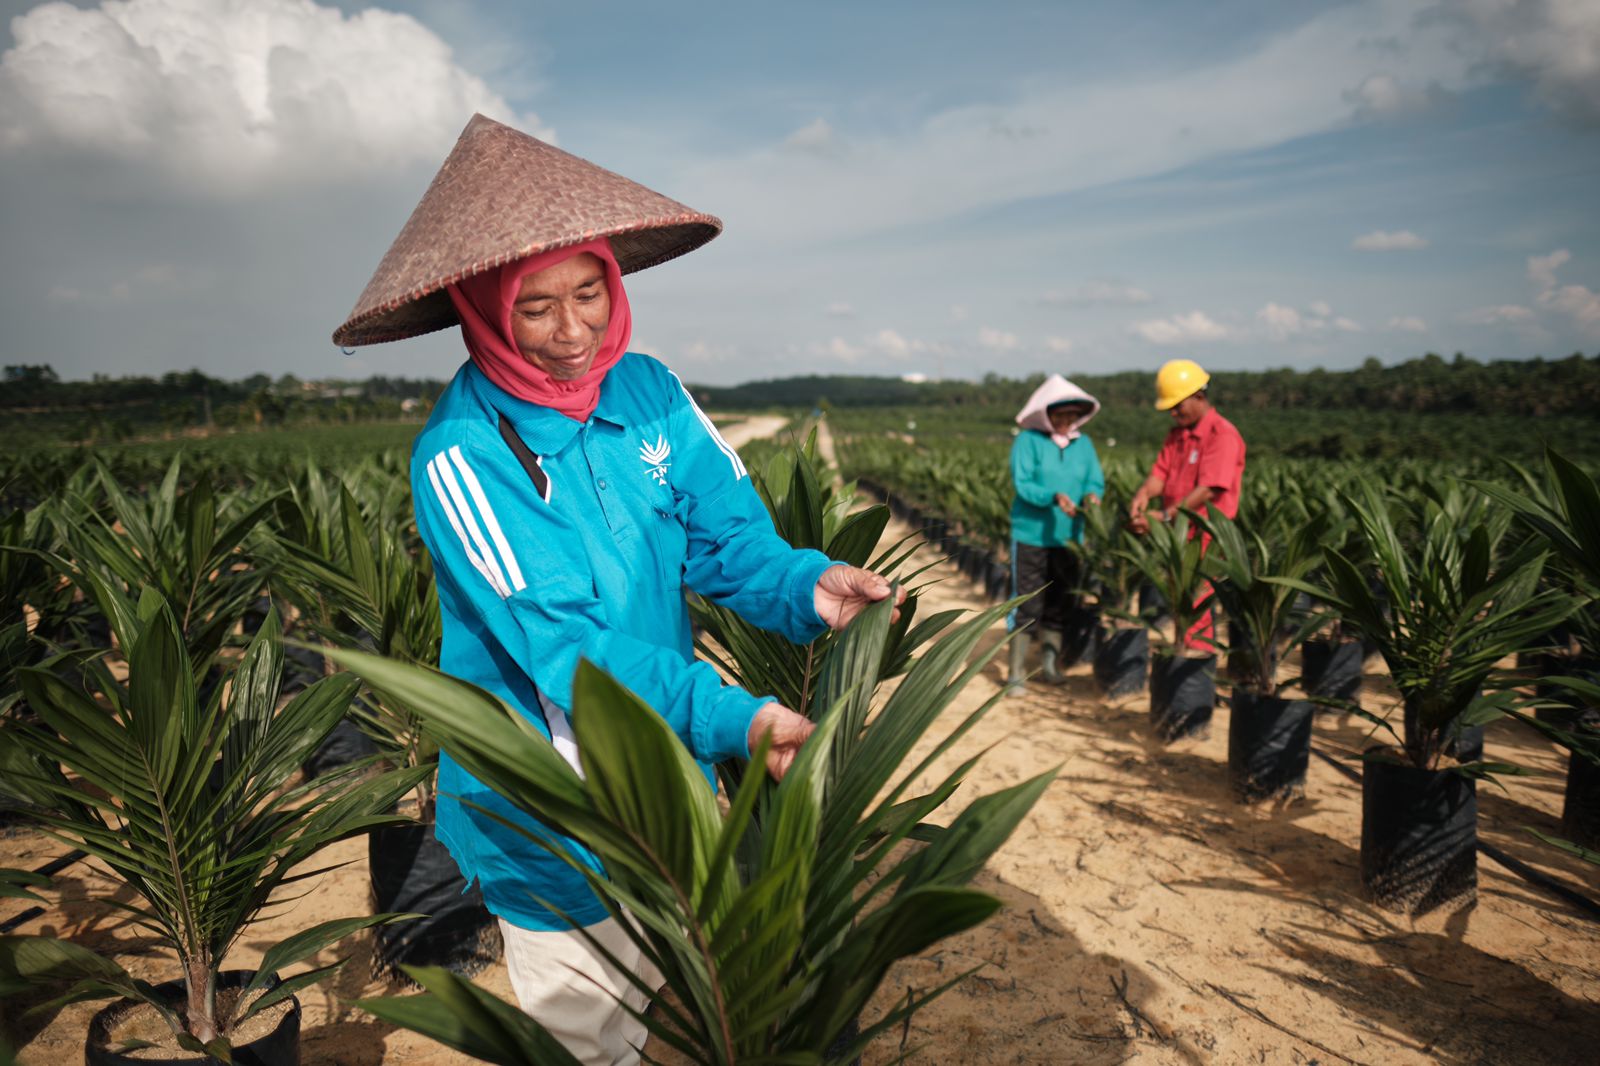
845	591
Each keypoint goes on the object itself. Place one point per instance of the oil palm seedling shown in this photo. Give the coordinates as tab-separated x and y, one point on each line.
1333	655
361	580
1111	583
794	488
32	594
1269	736
1564	513
181	542
772	922
186	801
1183	673
808	511
1445	610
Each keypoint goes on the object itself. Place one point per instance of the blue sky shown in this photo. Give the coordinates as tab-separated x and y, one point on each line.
937	188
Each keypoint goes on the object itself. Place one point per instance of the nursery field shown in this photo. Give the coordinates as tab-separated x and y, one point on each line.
1152	918
1162	897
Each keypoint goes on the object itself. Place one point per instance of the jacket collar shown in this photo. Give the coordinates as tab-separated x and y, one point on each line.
544	430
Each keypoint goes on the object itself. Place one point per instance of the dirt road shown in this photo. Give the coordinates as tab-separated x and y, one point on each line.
756	427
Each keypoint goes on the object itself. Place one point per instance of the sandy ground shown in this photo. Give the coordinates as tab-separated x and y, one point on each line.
1148	918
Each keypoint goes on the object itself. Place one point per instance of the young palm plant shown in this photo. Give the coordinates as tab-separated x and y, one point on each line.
763	962
180	542
1447	608
809	511
1564	512
362	580
1111	580
184	800
1269	737
1183	677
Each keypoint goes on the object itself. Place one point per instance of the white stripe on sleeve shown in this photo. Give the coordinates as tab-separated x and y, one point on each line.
512	569
464	509
455	524
727	449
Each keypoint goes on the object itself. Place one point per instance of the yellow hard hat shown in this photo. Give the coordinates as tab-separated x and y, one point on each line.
1177	380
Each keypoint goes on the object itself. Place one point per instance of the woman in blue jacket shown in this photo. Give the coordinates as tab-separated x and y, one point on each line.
1055	473
569	492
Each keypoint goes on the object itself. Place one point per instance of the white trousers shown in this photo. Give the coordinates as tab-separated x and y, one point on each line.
566	987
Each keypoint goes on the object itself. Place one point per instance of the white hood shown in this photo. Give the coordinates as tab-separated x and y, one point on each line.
1056	389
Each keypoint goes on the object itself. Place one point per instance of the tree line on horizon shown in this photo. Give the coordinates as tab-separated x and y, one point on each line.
1429	384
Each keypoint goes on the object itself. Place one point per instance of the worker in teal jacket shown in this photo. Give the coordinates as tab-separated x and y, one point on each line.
1055	472
570	492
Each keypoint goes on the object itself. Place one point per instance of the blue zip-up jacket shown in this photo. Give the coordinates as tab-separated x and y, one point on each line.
585	550
1039	470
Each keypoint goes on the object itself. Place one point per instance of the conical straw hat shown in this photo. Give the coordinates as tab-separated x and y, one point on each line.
500	196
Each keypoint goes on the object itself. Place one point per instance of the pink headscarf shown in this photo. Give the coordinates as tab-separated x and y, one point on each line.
484	302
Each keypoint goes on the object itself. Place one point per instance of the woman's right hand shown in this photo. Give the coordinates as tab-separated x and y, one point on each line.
789	731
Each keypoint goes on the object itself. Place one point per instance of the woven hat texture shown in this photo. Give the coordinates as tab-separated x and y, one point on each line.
502	195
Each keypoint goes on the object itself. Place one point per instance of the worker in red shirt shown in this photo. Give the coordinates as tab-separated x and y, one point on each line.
1200	466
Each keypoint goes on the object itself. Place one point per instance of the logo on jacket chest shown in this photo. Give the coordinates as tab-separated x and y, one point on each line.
654	457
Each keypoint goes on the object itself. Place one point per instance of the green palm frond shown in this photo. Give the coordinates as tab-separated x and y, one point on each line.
183	797
767	960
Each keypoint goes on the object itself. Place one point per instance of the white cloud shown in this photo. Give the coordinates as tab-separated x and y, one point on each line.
700	350
885	342
1577	301
1382	96
232	95
843	350
1194	326
1555	43
1503	314
1280	322
997	340
1098	294
958	312
839	310
1542	268
1384	241
816	136
1058	345
1407	324
1083	133
891	343
1581	304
